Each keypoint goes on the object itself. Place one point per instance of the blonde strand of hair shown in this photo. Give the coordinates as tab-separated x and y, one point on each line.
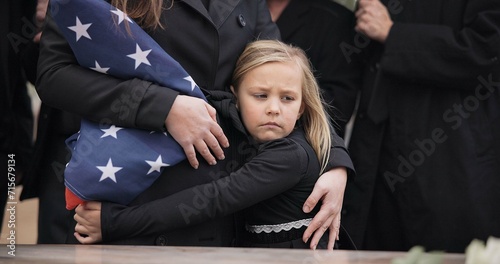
147	13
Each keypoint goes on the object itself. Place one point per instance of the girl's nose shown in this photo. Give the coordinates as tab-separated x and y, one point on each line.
273	107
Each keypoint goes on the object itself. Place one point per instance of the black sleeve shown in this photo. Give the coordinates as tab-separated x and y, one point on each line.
278	167
339	156
63	84
438	54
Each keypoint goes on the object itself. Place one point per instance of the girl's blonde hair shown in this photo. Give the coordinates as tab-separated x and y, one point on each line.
314	119
146	13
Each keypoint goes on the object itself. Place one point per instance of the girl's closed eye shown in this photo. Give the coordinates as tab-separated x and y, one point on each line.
260	96
288	98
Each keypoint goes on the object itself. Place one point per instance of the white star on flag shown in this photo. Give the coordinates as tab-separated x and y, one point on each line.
156	165
140	56
193	84
121	16
81	29
108	171
111	131
98	68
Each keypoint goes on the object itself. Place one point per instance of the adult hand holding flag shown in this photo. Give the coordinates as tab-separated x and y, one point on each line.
112	163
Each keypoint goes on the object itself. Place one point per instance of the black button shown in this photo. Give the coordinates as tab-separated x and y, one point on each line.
241	20
361	115
161	240
344	211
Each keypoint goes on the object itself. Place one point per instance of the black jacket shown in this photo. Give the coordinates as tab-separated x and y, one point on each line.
428	126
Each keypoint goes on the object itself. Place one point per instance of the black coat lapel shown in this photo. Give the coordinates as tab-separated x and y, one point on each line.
198	6
219	10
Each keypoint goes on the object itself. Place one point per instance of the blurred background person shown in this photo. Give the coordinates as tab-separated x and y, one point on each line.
44	175
426	138
17	30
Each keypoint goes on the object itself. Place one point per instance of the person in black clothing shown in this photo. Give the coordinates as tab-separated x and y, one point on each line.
282	112
213	35
18	64
426	138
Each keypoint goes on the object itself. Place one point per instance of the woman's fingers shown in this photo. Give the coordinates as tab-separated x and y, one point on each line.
193	124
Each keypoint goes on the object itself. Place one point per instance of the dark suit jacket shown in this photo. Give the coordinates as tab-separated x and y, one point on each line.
428	125
323	29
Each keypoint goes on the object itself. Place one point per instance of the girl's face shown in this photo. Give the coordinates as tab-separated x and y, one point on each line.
270	100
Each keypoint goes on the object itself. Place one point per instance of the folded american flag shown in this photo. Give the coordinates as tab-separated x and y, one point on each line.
112	163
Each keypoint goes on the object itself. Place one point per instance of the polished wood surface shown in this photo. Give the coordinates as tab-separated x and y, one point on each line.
79	254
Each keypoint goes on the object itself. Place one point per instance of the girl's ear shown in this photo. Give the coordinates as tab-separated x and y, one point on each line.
301	110
236	97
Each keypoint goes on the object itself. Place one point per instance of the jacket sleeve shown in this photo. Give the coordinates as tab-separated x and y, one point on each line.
274	170
339	156
438	54
63	84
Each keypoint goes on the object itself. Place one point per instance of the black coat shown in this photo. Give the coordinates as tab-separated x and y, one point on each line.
322	28
427	131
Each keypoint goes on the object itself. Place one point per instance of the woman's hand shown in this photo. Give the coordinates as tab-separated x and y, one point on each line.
329	189
88	227
193	124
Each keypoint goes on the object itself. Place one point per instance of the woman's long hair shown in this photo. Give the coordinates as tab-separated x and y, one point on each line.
146	13
315	120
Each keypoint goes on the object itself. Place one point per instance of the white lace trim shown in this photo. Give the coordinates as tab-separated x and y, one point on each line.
278	228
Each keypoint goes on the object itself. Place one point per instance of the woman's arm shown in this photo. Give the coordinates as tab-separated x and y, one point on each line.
62	83
135	103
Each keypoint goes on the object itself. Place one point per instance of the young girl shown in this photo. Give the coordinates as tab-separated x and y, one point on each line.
281	109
